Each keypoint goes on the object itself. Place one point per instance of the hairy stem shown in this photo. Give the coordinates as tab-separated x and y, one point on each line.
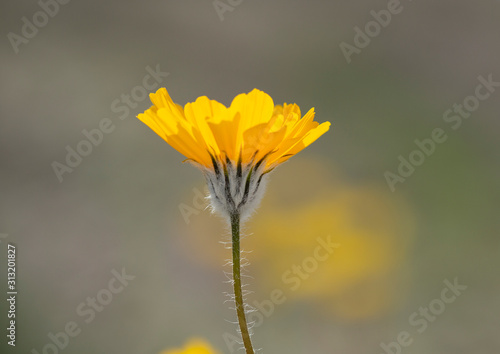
238	296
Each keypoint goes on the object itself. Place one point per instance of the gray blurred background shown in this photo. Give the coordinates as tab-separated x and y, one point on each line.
131	204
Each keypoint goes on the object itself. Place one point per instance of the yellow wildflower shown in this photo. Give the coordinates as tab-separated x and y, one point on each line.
234	146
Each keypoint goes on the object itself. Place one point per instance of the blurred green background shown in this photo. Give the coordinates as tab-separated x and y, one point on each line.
124	205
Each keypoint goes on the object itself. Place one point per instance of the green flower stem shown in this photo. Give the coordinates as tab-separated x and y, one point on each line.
238	296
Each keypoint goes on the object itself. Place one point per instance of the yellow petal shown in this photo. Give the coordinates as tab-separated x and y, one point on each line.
298	145
225	135
161	99
254	108
199	113
148	119
181	136
260	139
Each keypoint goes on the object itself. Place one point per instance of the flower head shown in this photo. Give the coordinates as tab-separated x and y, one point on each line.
234	146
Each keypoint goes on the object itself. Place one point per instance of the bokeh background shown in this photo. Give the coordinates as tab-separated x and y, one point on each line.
131	204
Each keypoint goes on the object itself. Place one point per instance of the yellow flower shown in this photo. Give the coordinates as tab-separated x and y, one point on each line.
194	346
363	277
234	146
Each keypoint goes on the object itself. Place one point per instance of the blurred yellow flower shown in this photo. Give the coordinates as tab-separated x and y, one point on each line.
363	278
194	346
